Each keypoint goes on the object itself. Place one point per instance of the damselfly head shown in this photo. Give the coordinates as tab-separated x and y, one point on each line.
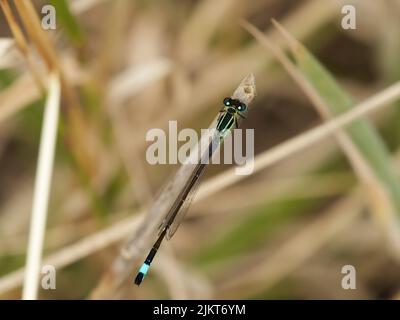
239	106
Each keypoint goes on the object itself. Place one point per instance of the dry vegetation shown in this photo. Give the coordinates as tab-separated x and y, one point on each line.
326	187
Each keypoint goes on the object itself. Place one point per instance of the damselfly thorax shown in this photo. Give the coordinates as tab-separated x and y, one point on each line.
232	109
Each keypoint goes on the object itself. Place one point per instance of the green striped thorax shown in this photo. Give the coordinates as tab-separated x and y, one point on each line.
232	109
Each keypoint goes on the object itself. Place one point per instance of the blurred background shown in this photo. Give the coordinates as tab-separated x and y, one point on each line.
133	65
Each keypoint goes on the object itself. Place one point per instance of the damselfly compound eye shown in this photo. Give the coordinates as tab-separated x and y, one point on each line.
227	101
241	107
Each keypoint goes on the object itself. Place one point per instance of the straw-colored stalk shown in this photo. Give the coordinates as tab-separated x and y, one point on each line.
42	189
21	42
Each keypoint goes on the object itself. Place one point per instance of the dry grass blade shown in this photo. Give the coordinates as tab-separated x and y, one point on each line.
359	163
11	101
123	87
379	199
182	282
42	189
81	6
306	20
196	35
83	147
220	76
361	142
135	79
21	43
33	28
296	250
15	29
5	45
9	54
79	250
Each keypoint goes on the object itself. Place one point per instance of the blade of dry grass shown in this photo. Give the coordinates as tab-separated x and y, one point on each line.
32	25
15	29
22	44
293	253
196	34
84	148
267	189
124	86
365	166
81	6
79	250
305	20
11	99
221	75
42	189
133	80
182	282
9	54
382	186
5	45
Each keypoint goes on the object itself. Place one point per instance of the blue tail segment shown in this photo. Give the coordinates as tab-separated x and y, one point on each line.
144	268
146	265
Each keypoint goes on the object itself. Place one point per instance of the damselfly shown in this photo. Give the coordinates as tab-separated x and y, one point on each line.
232	110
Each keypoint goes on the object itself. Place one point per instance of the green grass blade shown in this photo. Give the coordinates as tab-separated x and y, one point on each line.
362	132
